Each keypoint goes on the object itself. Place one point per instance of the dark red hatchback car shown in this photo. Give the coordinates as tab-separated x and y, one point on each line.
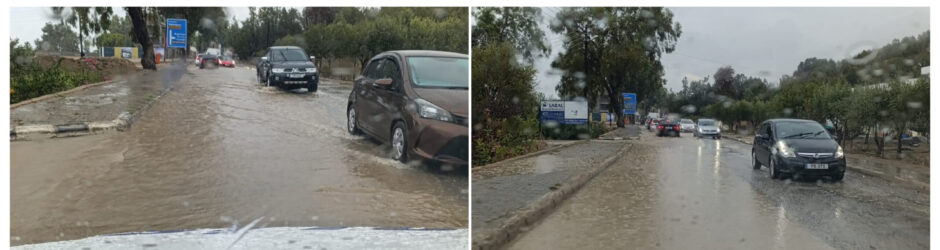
416	101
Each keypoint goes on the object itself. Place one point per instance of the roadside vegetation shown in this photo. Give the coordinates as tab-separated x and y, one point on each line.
344	38
506	41
30	80
879	95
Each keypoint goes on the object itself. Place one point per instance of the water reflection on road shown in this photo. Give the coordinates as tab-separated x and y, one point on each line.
220	150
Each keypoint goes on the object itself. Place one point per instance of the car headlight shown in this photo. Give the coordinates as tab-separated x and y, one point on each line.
311	70
277	70
839	153
785	150
431	111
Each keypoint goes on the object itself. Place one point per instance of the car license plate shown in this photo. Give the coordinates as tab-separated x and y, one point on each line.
296	75
817	166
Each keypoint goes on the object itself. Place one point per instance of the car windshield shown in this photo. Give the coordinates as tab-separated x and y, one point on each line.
686	121
439	72
706	123
800	130
288	55
226	58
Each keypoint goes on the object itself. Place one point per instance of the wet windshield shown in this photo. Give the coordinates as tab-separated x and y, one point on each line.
142	145
800	130
289	55
439	72
560	92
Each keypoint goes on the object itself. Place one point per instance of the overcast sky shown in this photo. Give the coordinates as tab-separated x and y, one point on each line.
763	42
26	22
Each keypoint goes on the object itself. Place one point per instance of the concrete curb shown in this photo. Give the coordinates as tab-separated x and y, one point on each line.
58	94
536	153
892	173
535	211
121	123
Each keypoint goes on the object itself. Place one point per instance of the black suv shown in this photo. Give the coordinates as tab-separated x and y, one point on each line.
288	67
797	147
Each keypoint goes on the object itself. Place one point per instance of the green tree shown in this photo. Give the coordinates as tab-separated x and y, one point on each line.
613	50
504	104
515	25
58	38
85	19
113	40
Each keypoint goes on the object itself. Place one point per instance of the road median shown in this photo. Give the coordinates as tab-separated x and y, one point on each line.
95	108
511	197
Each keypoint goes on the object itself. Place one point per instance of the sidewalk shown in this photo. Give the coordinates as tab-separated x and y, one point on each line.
109	105
885	168
515	193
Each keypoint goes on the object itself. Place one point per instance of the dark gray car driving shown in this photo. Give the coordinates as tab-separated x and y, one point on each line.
797	148
288	67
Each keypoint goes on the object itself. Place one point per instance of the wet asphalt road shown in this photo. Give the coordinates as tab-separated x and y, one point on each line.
688	193
222	150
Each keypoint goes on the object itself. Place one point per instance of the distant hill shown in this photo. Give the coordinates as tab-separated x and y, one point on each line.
901	59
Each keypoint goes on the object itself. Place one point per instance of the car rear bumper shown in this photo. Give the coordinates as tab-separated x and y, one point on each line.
442	142
797	165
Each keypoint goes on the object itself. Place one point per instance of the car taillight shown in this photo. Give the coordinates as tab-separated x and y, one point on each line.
661	127
676	127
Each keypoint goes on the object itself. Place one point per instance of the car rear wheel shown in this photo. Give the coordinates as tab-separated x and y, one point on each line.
754	162
351	121
399	144
268	81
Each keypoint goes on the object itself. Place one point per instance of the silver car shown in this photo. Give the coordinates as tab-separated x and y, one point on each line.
686	125
707	128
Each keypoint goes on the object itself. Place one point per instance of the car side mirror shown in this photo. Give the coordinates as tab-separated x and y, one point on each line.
384	82
313	58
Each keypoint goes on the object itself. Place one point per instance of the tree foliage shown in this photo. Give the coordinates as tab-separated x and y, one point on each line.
612	50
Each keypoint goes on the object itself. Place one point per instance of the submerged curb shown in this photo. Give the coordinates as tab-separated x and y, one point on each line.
889	173
58	94
121	123
535	211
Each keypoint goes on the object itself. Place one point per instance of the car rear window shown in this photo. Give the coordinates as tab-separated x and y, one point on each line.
439	72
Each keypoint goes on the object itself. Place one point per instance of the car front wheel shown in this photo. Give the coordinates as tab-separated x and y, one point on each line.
312	87
351	121
838	177
754	162
773	169
399	145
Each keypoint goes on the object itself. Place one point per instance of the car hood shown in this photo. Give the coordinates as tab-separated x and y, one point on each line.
453	100
708	127
293	64
812	145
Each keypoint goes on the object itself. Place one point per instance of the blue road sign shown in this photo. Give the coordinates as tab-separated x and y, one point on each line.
176	33
629	103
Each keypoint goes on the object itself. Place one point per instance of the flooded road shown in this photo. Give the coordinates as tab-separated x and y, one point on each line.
688	193
221	150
